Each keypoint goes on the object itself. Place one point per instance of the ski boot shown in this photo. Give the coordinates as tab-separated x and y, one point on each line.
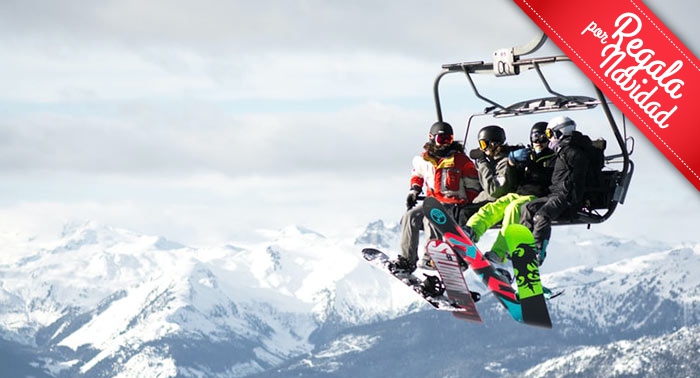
497	263
470	233
401	266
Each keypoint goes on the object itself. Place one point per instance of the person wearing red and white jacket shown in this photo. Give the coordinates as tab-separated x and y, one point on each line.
447	174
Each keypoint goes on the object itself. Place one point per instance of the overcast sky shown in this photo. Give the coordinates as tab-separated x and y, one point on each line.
205	120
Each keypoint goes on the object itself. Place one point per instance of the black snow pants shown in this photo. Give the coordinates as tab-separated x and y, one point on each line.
537	215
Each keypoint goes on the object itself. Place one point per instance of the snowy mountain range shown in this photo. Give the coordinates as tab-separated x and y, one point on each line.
100	301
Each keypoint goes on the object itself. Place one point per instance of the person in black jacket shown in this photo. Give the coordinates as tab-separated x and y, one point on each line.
568	180
533	167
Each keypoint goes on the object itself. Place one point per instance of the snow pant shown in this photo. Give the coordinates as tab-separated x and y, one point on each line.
537	215
505	209
411	223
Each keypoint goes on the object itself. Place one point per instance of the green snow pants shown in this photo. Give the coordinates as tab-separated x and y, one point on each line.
506	210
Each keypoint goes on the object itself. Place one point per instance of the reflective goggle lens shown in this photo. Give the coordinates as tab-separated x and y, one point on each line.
550	133
483	144
444	138
538	137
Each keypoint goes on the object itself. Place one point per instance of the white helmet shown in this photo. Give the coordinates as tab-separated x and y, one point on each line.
561	126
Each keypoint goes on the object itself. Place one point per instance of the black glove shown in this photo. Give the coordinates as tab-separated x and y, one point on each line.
477	154
412	198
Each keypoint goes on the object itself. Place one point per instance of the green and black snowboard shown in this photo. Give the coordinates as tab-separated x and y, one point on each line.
531	293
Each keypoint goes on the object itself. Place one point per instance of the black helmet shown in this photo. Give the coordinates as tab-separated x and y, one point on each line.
441	128
491	135
441	133
538	133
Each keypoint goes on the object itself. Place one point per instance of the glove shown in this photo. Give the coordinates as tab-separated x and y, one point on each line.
519	156
477	154
412	198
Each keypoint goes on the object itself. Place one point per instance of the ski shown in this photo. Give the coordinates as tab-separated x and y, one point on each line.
453	235
531	293
447	264
381	261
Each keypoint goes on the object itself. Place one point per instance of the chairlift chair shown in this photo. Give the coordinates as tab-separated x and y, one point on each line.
601	201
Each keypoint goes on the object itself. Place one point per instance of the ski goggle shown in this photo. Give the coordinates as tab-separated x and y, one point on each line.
443	138
552	134
538	137
483	144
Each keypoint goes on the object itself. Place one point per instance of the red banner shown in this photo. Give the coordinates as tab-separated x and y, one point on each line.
637	63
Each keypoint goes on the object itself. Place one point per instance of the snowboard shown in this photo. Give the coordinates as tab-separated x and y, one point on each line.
453	235
381	261
448	267
531	293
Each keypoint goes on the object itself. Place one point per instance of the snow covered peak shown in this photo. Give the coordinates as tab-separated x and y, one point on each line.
379	235
78	233
291	232
111	291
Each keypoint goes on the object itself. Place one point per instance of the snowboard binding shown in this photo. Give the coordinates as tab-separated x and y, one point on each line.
432	286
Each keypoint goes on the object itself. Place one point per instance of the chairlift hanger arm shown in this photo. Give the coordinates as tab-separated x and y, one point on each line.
481	67
545	83
468	68
514	64
516	52
532	46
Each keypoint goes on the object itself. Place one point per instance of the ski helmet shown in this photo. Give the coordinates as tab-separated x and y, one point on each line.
538	133
441	132
561	126
441	128
492	134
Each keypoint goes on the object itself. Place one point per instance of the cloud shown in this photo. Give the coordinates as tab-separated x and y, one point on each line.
175	117
414	26
200	138
116	50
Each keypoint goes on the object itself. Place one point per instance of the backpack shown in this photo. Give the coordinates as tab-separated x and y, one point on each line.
596	192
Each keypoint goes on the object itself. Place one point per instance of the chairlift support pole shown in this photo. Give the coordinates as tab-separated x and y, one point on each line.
530	47
468	68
